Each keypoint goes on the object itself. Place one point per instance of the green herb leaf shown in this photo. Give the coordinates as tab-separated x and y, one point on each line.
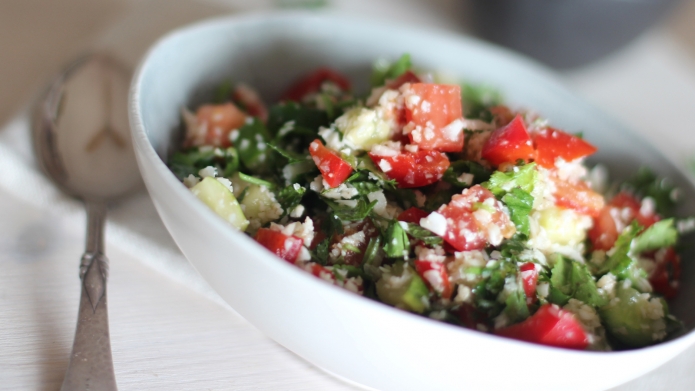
253	150
523	177
396	241
516	308
621	249
256	181
289	197
519	203
384	71
292	157
661	234
290	117
425	235
190	161
348	213
573	280
457	168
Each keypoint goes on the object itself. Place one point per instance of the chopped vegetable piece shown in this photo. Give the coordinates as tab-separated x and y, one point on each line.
434	117
509	144
553	143
216	122
333	169
285	247
221	200
412	215
551	326
435	276
471	220
578	196
529	275
413	169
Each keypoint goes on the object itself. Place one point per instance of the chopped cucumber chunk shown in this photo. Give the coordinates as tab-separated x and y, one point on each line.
635	319
221	200
363	128
402	287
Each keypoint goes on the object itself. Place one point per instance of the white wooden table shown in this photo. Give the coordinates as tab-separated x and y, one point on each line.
168	330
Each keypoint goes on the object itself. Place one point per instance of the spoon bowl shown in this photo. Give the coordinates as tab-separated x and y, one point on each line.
81	140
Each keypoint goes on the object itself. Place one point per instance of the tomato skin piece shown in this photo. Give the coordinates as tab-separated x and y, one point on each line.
434	118
311	83
333	169
218	121
551	326
464	232
412	215
285	247
552	143
578	196
435	276
625	200
604	232
666	276
509	144
529	277
413	169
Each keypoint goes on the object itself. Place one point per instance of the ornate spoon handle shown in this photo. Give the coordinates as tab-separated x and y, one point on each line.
91	365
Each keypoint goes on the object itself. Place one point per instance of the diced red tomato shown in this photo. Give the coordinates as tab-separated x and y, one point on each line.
320	271
434	116
551	326
529	276
467	230
578	196
435	276
312	82
413	169
405	77
218	121
624	207
333	169
604	233
509	144
412	215
248	98
553	143
666	276
285	247
625	200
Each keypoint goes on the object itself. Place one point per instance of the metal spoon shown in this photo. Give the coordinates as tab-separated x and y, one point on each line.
81	140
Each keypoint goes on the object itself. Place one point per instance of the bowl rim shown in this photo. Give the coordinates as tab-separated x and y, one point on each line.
179	191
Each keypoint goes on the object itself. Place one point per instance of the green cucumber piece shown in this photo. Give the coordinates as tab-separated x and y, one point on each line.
222	201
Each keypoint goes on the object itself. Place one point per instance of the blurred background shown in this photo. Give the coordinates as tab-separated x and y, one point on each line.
635	59
596	44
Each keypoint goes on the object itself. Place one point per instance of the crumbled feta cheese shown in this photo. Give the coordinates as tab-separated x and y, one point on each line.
190	181
208	171
298	211
435	222
385	165
226	183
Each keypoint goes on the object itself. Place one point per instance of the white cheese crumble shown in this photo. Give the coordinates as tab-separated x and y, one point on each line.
435	222
208	171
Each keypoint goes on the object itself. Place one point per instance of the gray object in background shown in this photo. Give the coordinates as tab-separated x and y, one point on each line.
565	33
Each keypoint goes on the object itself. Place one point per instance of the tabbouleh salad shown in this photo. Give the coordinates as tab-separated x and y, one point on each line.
438	199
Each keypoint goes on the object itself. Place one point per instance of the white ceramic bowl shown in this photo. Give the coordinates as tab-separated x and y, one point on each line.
352	337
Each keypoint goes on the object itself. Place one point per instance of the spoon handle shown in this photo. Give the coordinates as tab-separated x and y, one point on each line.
91	365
